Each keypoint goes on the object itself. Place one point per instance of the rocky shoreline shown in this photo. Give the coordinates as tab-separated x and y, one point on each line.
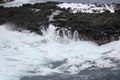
98	27
4	1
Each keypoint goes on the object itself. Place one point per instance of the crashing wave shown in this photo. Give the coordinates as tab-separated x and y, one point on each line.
31	54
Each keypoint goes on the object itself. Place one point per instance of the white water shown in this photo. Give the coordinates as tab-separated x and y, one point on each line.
20	2
23	53
75	7
87	8
16	3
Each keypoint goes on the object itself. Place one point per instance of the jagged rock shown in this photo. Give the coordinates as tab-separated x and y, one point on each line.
4	1
100	28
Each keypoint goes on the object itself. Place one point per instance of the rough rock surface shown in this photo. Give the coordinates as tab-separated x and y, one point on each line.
98	27
4	1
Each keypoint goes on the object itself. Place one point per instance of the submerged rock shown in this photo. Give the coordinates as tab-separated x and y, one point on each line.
94	74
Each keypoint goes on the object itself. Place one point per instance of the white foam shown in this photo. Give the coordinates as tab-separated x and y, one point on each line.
22	53
86	8
15	3
75	7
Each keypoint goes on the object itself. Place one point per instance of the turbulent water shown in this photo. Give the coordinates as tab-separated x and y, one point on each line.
24	53
84	1
20	2
28	54
76	1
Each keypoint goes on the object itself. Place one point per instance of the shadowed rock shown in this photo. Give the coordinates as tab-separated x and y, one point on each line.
4	1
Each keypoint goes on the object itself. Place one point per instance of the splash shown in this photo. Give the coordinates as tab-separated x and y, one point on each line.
24	53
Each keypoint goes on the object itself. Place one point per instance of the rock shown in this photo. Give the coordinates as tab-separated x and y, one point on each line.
100	28
4	1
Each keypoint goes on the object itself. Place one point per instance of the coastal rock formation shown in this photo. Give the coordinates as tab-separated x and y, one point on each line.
4	1
98	27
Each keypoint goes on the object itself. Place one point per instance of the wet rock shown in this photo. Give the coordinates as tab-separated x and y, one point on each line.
100	28
4	1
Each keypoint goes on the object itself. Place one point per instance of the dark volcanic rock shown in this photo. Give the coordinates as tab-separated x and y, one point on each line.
30	17
100	28
4	1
